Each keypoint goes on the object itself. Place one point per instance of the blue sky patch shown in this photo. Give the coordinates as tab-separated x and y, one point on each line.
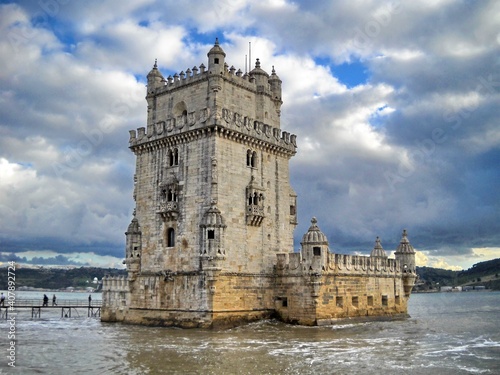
350	74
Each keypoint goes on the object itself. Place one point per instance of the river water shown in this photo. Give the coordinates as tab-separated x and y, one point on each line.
448	333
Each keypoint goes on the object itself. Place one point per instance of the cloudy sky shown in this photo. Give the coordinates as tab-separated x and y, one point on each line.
396	106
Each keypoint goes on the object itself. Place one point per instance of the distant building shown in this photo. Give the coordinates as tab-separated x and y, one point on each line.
211	240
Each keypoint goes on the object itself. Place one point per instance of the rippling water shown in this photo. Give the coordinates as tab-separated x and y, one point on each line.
448	333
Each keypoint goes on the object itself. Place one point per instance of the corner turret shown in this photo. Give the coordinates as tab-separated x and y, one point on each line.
216	58
275	83
133	248
378	251
314	247
406	256
260	76
155	79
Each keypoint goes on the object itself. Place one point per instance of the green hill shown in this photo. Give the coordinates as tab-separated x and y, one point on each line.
484	273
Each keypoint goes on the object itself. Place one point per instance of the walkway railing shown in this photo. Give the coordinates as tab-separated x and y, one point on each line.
19	303
66	305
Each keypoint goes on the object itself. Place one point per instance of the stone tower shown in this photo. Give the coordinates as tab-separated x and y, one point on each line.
212	187
212	166
211	240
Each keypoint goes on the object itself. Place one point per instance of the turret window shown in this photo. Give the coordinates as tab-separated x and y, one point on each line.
210	234
216	60
317	251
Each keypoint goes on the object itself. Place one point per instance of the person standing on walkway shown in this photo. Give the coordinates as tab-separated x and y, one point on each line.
54	300
90	299
45	300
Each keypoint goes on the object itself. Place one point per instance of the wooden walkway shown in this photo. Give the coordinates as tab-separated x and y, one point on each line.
67	307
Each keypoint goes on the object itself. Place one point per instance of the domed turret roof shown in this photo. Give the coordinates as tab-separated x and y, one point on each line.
378	250
155	72
314	235
134	226
405	246
213	217
274	76
258	70
216	49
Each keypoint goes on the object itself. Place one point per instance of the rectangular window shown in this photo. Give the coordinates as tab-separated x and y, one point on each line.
210	234
339	301
398	301
355	301
370	301
385	301
284	302
317	251
292	210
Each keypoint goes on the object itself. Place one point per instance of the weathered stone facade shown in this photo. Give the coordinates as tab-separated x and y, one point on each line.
211	241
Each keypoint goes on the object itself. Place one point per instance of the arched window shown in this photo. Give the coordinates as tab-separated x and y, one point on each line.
171	237
172	195
249	158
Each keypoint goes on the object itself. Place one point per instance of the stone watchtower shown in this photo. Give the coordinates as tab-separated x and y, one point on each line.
406	256
211	240
212	193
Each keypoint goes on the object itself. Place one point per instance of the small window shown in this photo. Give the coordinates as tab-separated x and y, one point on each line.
284	302
398	301
172	195
171	237
254	159
292	210
210	234
176	156
317	251
216	60
339	301
355	301
385	301
170	158
370	301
